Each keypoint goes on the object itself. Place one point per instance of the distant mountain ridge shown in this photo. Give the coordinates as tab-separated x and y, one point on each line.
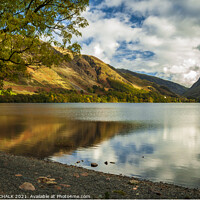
194	91
173	87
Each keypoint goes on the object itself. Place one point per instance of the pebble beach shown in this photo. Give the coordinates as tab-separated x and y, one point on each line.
28	178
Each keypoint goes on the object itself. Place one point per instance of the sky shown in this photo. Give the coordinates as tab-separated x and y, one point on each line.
156	37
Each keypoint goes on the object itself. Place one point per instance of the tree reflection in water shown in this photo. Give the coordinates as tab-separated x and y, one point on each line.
43	137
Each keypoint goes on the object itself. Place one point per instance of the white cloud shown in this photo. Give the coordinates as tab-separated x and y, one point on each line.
159	26
109	3
106	35
170	30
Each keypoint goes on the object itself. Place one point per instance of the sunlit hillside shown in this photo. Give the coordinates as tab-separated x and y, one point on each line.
82	73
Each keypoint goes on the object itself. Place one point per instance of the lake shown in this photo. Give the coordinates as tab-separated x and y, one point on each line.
158	142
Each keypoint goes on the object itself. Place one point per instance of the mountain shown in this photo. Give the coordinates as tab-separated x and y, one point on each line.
173	87
88	75
81	73
194	91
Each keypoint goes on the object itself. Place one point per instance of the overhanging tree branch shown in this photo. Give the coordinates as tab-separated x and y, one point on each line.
23	22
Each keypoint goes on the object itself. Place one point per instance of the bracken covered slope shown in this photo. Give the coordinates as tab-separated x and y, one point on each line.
84	72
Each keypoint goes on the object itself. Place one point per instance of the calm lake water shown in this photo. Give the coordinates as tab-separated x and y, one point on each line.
159	142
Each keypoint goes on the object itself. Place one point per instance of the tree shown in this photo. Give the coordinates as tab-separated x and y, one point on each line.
23	25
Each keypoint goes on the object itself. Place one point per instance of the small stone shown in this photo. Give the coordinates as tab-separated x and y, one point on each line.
51	183
156	192
133	182
78	162
84	174
57	187
112	162
18	175
64	185
51	179
76	175
106	163
27	186
42	179
94	164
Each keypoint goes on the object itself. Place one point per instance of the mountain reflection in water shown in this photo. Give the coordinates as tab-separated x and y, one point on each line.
44	137
158	142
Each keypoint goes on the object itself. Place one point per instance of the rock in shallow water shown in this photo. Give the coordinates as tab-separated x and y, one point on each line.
94	164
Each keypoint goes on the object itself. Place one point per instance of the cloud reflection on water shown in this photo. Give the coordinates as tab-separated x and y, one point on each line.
160	142
160	154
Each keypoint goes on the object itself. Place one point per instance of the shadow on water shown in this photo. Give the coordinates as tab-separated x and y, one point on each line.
44	137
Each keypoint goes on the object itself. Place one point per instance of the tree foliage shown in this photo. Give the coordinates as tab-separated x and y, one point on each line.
23	23
64	96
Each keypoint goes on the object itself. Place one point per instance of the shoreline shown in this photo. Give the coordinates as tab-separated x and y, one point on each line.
52	180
